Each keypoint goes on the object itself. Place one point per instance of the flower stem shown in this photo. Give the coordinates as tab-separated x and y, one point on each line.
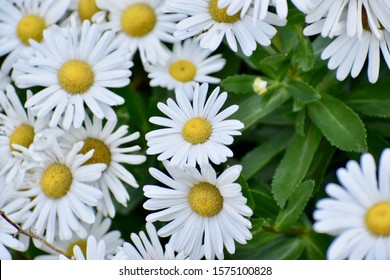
33	235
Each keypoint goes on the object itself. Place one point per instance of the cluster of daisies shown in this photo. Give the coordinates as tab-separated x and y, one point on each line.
65	161
359	32
65	158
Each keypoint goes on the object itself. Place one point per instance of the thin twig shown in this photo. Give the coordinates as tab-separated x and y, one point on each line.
33	235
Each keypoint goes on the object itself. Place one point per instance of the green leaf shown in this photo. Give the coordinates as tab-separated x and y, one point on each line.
269	62
294	206
376	143
379	126
288	249
274	59
302	91
261	239
246	192
284	248
371	101
239	84
294	165
287	38
339	124
304	55
316	245
257	158
256	107
320	162
265	205
300	121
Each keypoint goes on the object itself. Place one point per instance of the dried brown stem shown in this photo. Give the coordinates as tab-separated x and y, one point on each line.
33	235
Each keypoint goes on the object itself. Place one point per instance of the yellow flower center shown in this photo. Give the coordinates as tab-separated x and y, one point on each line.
56	180
220	15
183	70
76	76
23	135
196	130
101	152
205	199
378	219
30	27
81	243
87	8
138	20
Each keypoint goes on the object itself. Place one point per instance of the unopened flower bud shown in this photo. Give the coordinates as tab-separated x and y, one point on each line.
260	86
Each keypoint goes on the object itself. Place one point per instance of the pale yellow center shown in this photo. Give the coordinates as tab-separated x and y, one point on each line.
101	152
76	76
23	135
183	70
205	199
81	243
30	27
378	219
196	130
87	8
220	15
138	20
56	180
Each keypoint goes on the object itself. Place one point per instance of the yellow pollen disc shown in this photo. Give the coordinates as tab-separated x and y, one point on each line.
101	152
81	243
378	219
197	130
76	76
205	199
183	70
138	20
56	180
23	135
30	27
220	15
87	8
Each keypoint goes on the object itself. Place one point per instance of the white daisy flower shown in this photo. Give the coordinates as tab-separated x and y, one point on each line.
147	249
358	211
22	20
201	208
188	64
20	132
349	54
106	143
11	204
210	25
61	194
260	7
93	250
142	25
324	16
84	9
80	10
99	229
194	132
75	67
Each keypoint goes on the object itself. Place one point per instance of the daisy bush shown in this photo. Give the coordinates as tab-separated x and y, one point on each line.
188	130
